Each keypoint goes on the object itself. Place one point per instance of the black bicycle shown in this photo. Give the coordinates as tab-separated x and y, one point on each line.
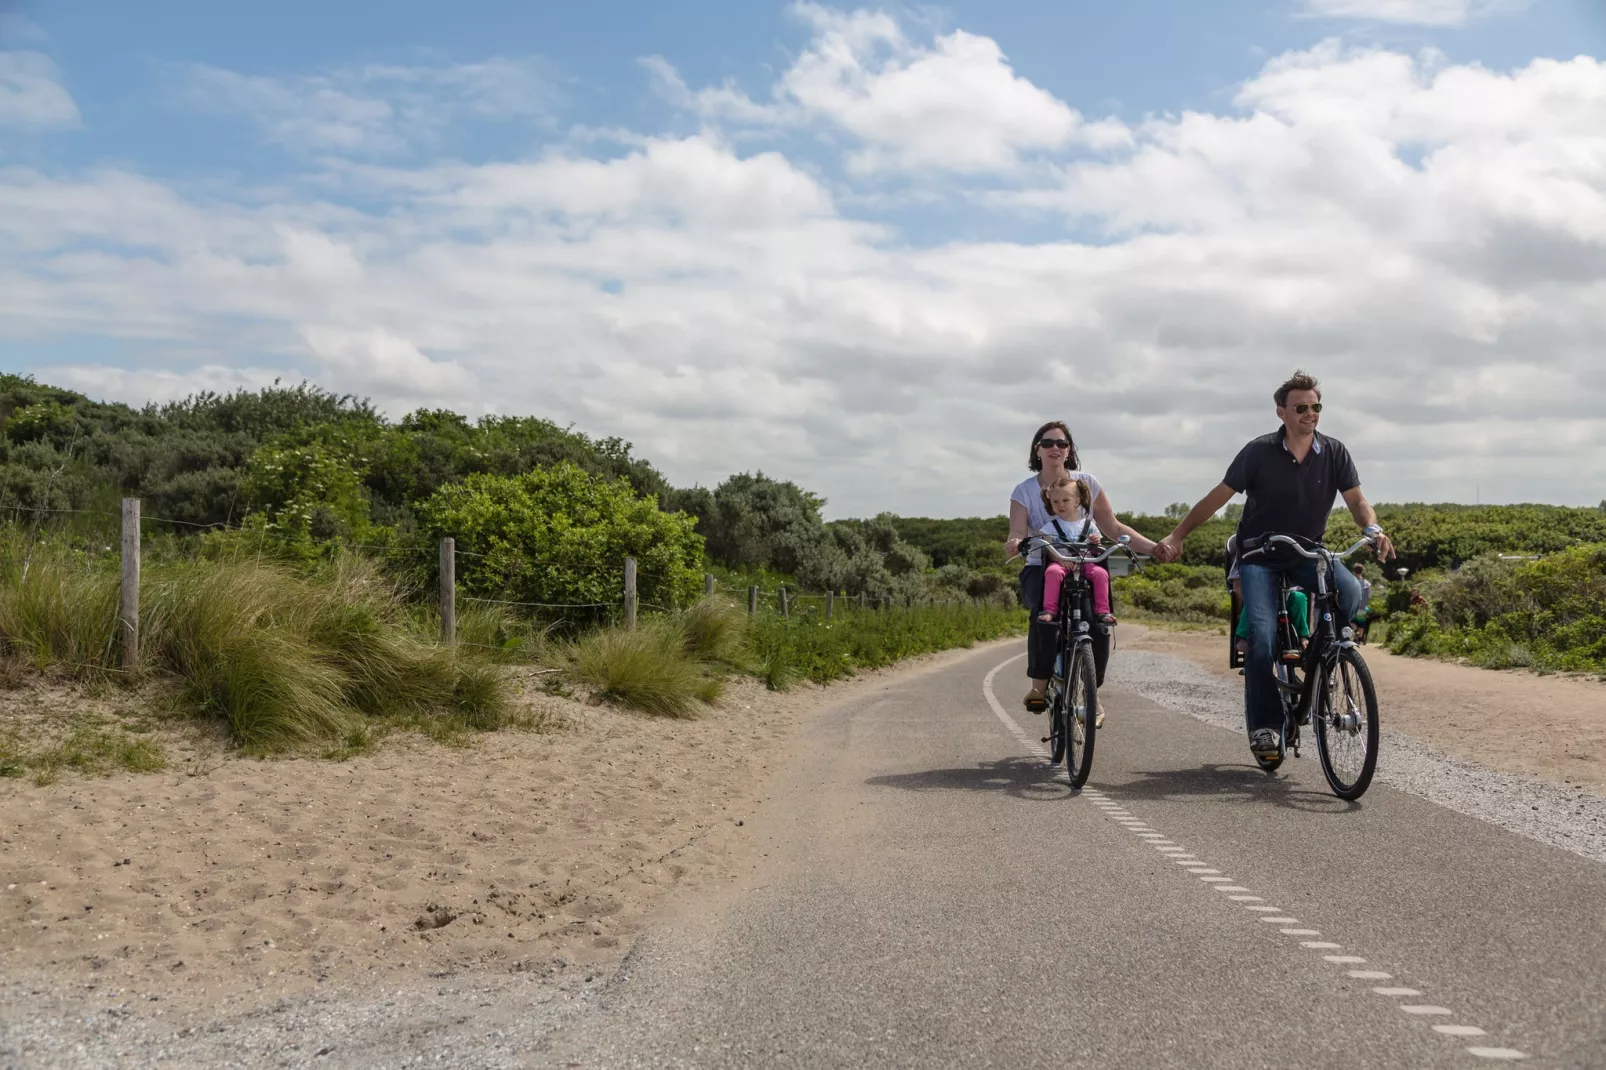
1072	692
1323	681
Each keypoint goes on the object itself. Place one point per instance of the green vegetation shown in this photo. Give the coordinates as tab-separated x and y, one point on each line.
92	748
810	647
301	461
280	658
559	535
1193	593
1548	614
290	570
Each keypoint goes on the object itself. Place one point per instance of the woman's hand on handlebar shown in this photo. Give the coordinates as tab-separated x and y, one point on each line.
1012	547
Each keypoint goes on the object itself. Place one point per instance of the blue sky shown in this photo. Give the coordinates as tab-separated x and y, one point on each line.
770	231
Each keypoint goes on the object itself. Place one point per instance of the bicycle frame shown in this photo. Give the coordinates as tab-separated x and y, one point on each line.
1327	637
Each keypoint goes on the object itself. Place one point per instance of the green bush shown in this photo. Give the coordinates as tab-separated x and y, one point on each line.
560	535
1547	614
1196	593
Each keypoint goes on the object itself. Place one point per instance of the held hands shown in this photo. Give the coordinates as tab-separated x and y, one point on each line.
1168	549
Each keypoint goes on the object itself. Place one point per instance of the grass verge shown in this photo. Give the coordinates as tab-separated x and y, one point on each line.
281	658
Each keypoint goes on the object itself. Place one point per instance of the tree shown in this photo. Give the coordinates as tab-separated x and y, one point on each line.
1177	510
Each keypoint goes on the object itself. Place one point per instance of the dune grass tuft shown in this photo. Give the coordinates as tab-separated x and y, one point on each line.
57	607
715	631
648	669
280	658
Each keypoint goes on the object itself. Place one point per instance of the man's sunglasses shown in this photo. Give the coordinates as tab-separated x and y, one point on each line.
1054	443
1302	409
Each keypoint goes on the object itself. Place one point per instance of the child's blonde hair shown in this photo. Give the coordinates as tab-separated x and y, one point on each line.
1084	493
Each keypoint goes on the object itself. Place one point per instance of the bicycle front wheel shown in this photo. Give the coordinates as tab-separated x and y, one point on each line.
1346	724
1081	714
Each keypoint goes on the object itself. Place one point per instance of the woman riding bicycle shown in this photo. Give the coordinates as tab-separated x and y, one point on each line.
1052	458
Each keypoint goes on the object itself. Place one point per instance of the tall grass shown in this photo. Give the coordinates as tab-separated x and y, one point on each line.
652	669
673	664
57	605
278	657
813	648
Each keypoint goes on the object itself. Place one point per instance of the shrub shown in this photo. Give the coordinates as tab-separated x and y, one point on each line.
1177	592
559	535
1545	614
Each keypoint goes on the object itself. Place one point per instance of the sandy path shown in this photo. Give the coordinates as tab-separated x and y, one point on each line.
1551	727
540	852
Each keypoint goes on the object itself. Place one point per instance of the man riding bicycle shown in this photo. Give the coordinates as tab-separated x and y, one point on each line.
1290	478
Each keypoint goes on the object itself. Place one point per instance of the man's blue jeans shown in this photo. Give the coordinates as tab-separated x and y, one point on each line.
1262	707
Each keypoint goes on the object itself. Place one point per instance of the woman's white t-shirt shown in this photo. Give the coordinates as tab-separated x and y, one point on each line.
1030	494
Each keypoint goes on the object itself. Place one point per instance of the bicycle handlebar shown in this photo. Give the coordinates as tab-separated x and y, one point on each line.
1314	555
1038	542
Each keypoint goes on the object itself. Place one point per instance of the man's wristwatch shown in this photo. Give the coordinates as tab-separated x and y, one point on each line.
1372	530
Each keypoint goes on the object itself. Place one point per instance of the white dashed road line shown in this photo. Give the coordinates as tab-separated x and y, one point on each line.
1192	864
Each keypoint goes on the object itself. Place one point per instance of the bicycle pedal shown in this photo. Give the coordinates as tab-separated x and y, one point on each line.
1043	740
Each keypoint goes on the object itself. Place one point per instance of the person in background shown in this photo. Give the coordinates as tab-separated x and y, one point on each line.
1364	616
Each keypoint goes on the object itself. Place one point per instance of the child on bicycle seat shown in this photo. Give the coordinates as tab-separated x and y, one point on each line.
1069	501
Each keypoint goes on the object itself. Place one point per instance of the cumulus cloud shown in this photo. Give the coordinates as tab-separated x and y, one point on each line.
375	109
953	105
31	93
1414	12
1429	238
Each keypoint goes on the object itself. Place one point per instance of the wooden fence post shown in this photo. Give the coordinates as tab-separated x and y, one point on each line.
128	610
830	603
448	591
708	584
752	600
786	609
863	600
630	594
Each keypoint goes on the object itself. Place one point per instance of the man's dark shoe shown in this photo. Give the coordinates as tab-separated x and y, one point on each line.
1266	744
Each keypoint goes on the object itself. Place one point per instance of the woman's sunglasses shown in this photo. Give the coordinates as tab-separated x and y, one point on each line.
1302	409
1054	443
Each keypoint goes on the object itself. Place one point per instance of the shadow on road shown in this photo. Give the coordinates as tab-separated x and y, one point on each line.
1236	783
1024	778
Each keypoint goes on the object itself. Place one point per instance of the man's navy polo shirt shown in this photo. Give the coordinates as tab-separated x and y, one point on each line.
1285	495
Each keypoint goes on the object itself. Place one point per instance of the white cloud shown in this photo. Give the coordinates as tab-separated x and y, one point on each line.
375	109
135	386
1428	238
31	93
1414	12
954	105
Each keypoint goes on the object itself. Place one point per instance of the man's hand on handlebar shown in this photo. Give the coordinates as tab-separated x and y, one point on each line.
1383	546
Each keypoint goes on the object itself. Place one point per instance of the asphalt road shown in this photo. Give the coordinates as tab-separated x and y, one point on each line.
931	894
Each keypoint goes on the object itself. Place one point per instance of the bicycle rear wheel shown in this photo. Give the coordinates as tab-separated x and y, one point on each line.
1346	724
1081	714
